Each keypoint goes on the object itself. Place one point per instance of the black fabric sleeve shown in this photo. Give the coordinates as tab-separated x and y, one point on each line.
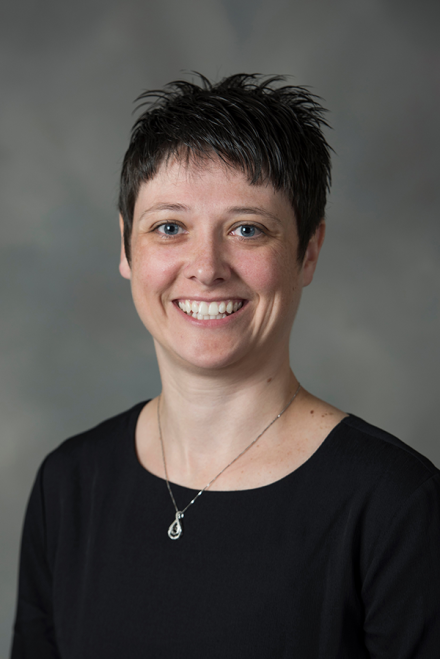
401	590
34	630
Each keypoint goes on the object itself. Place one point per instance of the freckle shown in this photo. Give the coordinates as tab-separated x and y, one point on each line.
270	380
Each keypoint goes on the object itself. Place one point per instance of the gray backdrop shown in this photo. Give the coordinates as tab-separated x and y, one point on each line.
74	351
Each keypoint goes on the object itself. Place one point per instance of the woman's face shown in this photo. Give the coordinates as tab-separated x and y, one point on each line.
214	271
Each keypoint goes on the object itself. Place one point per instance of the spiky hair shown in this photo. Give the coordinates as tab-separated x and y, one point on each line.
269	132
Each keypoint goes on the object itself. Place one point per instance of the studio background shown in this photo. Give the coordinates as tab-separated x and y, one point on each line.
73	350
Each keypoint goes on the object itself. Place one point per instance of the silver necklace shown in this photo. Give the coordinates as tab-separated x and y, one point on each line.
175	529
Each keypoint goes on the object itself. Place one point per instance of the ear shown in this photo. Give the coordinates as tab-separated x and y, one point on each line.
312	253
124	266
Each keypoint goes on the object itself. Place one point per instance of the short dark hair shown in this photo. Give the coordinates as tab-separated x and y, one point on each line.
270	132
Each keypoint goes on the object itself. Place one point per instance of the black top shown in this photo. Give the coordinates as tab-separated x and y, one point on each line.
339	559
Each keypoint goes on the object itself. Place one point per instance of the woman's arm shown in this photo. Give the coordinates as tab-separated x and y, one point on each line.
34	636
401	590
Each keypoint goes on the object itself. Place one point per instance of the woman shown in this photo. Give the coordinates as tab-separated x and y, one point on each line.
235	515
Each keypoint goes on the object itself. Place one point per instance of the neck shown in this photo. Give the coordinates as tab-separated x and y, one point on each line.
208	419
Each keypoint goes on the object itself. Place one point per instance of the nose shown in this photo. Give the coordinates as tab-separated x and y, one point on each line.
208	262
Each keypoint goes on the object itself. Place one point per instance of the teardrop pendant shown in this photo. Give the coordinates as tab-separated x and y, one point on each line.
175	530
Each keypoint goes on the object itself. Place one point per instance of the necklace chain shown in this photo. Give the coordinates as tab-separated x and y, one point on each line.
175	530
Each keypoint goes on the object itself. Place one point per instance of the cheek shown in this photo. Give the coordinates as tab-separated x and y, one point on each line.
270	273
150	280
152	274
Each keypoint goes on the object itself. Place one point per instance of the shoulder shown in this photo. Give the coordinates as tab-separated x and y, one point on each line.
360	455
384	490
372	465
77	479
378	449
101	446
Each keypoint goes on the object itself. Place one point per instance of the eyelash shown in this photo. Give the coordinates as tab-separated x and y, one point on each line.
250	226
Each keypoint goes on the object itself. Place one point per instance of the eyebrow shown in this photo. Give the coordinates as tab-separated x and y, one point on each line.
232	210
164	207
252	210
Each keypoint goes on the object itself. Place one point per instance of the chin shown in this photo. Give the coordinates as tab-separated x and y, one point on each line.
205	358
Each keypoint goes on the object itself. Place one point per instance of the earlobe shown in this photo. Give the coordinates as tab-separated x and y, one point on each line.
124	266
312	254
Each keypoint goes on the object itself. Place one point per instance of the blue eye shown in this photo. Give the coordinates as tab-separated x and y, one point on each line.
247	231
169	229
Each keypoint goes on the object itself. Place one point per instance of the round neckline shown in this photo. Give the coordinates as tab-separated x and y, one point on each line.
322	448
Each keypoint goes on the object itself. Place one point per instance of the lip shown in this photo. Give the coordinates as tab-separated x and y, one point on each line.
214	322
199	298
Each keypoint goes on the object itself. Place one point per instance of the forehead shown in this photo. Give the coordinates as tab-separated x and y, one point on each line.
209	184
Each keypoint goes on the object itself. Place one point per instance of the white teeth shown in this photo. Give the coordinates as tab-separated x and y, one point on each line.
209	311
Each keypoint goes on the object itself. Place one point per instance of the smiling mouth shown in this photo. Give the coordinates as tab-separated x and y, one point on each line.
209	310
